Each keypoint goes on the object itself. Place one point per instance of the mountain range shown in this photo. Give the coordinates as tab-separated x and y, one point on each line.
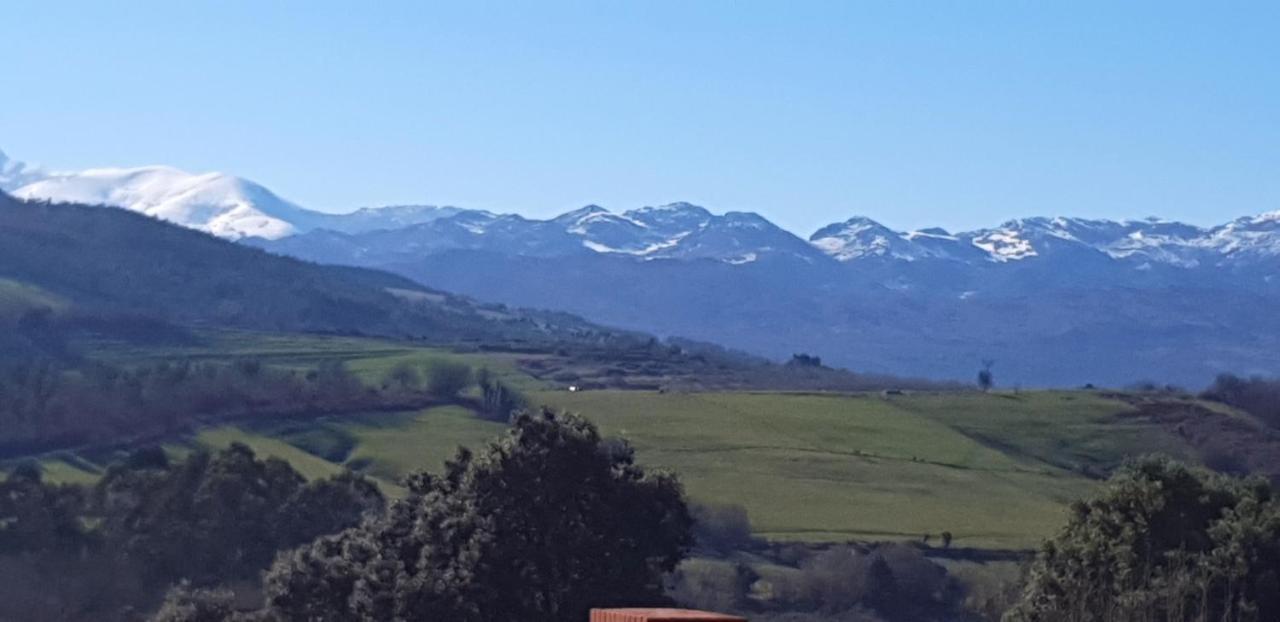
1053	300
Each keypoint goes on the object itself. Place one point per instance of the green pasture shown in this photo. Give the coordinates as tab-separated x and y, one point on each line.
996	470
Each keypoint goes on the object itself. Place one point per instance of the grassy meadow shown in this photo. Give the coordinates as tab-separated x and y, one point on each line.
996	470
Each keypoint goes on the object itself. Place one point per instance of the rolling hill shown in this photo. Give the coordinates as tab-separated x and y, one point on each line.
94	267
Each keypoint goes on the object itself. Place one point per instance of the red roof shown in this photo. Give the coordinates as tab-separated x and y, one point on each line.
659	615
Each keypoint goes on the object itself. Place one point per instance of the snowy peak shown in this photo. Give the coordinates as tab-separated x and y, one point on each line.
236	208
389	217
219	204
681	231
860	237
671	217
1141	243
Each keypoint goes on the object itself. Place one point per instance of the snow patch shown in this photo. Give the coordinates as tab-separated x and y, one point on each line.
1005	245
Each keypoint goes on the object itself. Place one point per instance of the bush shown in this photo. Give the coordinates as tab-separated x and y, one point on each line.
722	528
712	585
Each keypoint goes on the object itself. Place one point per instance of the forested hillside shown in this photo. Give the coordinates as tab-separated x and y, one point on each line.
71	266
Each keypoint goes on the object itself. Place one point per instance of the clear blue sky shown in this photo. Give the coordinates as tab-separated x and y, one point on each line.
954	113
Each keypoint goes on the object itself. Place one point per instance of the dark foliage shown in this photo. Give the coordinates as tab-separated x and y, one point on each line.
45	406
222	516
805	360
110	552
1257	396
540	526
722	529
446	379
1162	543
498	401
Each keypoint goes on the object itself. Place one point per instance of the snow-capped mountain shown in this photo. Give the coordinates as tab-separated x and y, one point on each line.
673	231
863	238
1055	300
1133	243
237	208
217	203
220	204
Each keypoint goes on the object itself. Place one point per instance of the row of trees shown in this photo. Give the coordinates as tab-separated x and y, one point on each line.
109	551
45	405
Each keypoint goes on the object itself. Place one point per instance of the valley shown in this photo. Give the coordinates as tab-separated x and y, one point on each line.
996	470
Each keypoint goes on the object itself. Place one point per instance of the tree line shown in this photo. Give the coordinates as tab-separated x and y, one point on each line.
44	405
1255	395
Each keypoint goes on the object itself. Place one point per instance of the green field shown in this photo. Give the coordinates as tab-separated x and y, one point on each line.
995	470
369	358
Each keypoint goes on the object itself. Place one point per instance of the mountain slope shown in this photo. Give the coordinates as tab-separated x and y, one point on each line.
224	205
1056	301
215	203
106	262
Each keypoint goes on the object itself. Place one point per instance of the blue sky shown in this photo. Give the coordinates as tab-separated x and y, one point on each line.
962	114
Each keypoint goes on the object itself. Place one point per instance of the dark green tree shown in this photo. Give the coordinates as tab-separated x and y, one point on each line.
446	379
221	516
404	378
1162	542
39	517
542	525
186	604
986	379
498	401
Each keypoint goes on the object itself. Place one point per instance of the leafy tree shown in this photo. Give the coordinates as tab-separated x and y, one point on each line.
404	377
498	401
986	380
1257	396
542	525
446	379
185	604
36	516
722	528
805	360
221	516
1162	542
